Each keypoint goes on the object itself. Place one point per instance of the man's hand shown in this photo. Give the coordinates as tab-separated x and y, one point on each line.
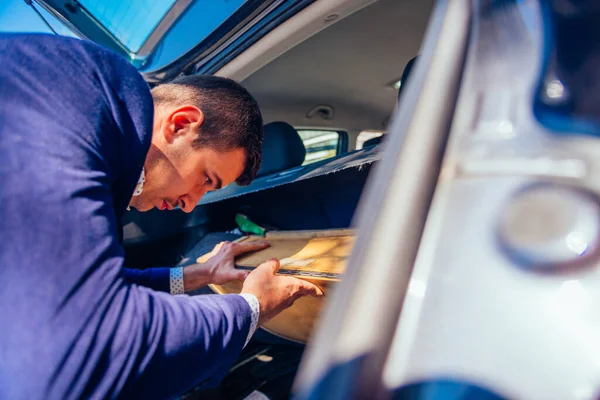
275	293
221	263
220	267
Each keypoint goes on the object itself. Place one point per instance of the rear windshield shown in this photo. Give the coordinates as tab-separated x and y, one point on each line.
151	33
130	21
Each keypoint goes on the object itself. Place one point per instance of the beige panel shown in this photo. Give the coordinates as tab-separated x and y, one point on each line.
310	251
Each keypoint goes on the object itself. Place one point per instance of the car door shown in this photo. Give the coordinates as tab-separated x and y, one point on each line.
475	268
164	39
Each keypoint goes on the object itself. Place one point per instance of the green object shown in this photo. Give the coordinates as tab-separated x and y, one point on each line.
248	226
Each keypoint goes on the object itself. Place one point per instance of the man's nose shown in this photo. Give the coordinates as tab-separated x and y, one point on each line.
191	201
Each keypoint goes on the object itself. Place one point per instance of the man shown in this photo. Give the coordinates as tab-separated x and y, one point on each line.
79	132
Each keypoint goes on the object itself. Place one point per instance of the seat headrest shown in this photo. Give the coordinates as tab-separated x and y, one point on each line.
282	148
372	141
406	74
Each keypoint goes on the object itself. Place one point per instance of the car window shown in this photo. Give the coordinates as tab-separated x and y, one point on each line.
130	22
150	33
201	19
366	135
321	144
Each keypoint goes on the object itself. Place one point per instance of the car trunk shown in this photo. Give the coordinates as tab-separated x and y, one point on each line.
326	200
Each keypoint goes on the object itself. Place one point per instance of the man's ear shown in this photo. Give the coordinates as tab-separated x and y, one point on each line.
184	121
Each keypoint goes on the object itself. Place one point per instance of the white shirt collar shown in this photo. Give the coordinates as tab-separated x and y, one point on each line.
140	185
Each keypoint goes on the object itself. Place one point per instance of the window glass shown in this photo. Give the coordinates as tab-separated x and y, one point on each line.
319	144
129	21
201	18
129	24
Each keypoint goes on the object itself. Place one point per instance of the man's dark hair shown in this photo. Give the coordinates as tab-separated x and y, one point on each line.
232	118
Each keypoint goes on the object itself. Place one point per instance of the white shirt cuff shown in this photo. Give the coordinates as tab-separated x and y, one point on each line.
176	281
255	307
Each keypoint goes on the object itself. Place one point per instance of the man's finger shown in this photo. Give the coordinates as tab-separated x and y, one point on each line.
217	248
311	289
272	265
241	275
240	248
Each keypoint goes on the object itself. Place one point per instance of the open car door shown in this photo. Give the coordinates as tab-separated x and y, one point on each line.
164	39
474	273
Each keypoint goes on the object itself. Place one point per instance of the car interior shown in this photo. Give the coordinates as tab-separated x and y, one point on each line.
327	99
339	81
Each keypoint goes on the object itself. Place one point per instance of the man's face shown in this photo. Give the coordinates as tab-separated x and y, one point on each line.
176	173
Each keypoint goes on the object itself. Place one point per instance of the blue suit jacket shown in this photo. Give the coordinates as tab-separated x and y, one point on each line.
75	127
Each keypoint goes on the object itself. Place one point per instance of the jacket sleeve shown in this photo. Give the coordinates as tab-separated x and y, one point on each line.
186	341
135	342
154	278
